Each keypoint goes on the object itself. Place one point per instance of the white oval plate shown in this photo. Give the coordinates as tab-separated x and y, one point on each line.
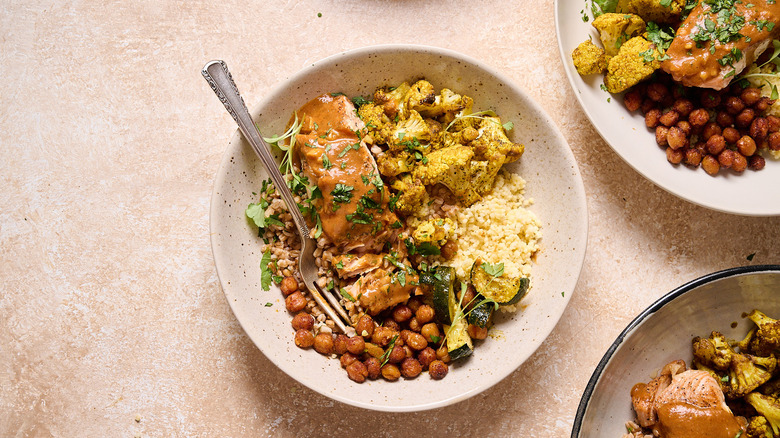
663	332
553	180
752	193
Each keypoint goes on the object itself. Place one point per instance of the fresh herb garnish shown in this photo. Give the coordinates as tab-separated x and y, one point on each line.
265	271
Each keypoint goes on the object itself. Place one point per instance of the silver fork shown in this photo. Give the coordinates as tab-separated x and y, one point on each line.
221	81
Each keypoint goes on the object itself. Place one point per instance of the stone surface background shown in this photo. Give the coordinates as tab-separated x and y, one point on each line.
112	320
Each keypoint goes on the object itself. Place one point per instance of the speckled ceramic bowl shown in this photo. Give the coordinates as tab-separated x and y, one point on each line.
663	333
553	180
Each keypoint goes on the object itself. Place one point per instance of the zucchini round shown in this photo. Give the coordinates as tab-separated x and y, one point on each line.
502	289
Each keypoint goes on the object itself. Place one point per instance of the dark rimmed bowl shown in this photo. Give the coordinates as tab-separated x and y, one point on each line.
663	333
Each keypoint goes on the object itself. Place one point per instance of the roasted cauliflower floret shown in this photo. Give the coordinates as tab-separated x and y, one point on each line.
589	59
458	138
410	195
748	372
659	11
395	163
452	168
768	407
411	133
435	231
758	427
493	144
767	335
635	62
447	106
714	352
375	119
421	96
616	29
392	100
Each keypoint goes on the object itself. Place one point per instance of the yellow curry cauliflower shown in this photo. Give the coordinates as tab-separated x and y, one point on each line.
589	59
616	29
635	62
428	139
659	11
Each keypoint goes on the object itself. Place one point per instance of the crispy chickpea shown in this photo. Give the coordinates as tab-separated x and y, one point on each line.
415	340
391	372
401	313
710	98
323	343
711	129
763	104
731	135
438	369
382	336
424	314
304	338
756	162
431	333
651	118
774	141
698	118
410	368
449	249
632	100
426	356
669	118
726	158
647	105
661	134
710	165
468	298
365	326
346	359
692	157
414	325
734	105
683	107
295	302
657	91
392	325
774	123
442	353
674	156
288	285
685	126
759	128
356	345
477	332
740	163
745	118
408	350
746	146
724	119
357	371
397	354
340	344
373	367
750	96
303	321
715	144
676	138
414	303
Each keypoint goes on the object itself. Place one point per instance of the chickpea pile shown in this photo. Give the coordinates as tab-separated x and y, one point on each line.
406	343
715	129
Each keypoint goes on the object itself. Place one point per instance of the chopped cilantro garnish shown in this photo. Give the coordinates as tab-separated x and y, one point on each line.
265	271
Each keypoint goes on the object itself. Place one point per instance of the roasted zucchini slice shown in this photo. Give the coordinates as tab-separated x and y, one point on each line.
481	315
459	343
442	284
502	289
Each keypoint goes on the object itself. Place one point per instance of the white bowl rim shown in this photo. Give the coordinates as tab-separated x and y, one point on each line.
382	48
657	305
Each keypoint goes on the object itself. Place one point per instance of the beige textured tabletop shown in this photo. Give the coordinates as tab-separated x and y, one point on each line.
112	320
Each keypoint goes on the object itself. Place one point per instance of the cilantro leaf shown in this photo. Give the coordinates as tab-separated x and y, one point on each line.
265	271
494	271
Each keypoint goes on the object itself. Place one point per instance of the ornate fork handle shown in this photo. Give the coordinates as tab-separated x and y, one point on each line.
221	81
